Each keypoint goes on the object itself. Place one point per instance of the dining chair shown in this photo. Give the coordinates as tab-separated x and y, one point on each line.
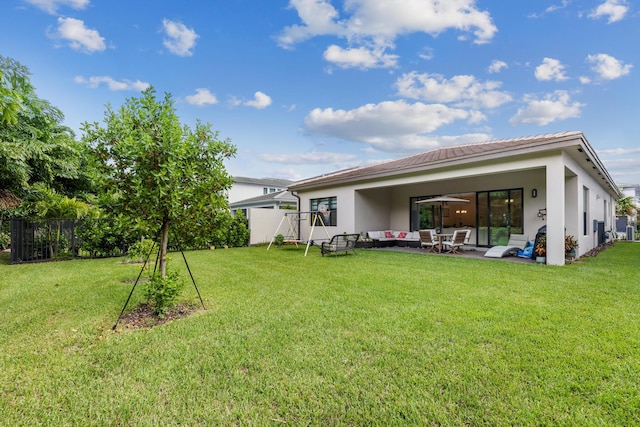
454	246
427	241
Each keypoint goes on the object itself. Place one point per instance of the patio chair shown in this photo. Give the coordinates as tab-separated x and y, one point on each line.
516	242
454	246
427	241
467	237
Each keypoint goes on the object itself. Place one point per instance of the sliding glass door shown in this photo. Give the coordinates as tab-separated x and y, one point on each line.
499	216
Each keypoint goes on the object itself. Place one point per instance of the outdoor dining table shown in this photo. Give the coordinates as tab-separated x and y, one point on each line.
441	238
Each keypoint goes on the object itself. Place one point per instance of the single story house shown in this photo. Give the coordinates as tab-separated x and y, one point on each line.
514	186
244	187
278	200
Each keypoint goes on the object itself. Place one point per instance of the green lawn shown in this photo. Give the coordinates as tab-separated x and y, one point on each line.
380	338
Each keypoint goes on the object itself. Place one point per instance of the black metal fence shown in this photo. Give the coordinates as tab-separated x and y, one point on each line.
34	240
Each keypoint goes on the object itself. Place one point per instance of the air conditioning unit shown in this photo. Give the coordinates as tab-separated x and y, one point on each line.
630	232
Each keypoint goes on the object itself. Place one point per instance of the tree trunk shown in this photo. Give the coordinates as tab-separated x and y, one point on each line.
164	240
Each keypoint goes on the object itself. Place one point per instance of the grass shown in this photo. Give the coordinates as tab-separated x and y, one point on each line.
381	338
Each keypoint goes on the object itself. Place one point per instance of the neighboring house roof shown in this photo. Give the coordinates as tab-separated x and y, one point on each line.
469	153
268	182
271	199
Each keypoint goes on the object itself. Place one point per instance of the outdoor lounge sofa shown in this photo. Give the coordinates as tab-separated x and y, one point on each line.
394	238
516	242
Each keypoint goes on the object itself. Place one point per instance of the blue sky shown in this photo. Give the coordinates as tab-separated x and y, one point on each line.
306	87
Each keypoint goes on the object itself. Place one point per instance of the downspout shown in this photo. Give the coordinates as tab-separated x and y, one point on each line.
293	193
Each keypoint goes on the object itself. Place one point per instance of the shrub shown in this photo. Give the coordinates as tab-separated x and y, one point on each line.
279	240
104	237
162	293
140	250
5	240
239	230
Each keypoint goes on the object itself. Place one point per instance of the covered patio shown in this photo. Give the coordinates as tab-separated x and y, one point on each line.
471	253
513	186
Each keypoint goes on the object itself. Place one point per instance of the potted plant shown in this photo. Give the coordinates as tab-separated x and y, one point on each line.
541	249
570	245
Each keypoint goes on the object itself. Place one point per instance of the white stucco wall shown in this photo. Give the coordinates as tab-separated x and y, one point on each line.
368	215
263	224
241	191
557	177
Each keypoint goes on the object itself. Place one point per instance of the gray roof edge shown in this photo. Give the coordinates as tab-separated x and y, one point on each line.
537	142
276	182
281	196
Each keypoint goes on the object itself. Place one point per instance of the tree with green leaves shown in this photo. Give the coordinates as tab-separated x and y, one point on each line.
35	147
11	74
625	206
155	171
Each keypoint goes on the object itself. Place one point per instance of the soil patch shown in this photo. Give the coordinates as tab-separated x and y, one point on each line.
144	317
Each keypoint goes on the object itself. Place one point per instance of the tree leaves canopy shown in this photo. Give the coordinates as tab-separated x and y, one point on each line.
153	170
34	144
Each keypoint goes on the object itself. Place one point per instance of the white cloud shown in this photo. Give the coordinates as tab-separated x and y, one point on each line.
614	9
387	126
555	7
551	9
619	151
497	66
233	101
180	39
464	90
550	69
554	106
79	37
376	24
318	19
426	54
111	83
260	101
608	67
361	57
51	6
627	169
202	97
585	80
310	158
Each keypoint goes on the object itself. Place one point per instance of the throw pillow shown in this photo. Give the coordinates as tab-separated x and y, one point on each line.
402	235
389	235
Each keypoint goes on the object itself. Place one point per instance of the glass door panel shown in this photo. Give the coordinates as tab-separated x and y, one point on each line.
482	220
499	216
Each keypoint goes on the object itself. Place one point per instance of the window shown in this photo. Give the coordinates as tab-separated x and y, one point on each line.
265	190
327	207
272	190
585	210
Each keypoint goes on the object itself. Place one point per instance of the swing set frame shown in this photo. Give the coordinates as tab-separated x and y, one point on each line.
293	220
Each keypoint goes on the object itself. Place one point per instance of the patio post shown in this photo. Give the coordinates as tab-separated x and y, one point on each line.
555	210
